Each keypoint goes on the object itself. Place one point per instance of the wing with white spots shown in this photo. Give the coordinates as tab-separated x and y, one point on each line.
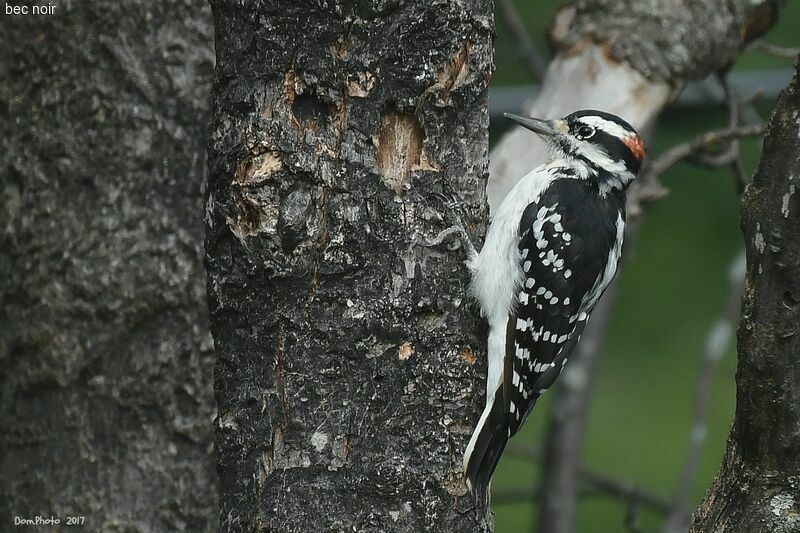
568	237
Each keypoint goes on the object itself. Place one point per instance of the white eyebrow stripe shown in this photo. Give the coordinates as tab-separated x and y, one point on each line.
607	126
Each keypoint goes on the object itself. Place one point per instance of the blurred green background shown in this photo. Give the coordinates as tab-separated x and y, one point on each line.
673	289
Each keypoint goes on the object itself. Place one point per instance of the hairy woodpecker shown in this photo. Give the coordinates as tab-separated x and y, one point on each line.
550	252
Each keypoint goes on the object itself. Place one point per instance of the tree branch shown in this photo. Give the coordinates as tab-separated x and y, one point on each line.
596	481
778	51
533	57
697	145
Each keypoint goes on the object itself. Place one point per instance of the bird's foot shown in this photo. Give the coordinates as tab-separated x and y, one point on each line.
457	227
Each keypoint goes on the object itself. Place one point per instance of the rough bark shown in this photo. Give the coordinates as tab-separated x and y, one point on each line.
630	58
105	351
758	486
349	369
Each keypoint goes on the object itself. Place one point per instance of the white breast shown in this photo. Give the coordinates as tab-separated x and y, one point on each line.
497	273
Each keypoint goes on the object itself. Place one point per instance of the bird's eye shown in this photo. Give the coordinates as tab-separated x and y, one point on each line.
584	132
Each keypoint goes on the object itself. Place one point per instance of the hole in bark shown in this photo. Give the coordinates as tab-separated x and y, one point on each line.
399	147
92	374
789	300
11	191
307	107
258	168
254	212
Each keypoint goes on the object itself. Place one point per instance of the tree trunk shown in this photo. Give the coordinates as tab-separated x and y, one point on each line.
629	58
349	371
758	486
105	352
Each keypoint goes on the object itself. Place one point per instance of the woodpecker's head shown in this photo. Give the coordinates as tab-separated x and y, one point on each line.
608	146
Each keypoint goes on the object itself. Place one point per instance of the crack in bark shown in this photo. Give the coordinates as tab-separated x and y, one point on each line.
280	387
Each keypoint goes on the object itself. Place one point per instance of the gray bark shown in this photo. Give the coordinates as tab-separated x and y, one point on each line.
105	352
350	370
758	486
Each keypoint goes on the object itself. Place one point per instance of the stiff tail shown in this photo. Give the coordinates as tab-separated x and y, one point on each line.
485	447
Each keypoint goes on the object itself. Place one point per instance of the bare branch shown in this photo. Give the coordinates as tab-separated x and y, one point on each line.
773	50
648	189
698	150
718	340
733	104
727	157
627	491
596	481
533	58
696	145
632	517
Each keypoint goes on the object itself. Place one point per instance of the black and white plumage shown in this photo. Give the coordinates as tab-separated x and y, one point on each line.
550	252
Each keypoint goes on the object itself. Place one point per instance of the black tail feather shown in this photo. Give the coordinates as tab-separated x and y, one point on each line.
486	447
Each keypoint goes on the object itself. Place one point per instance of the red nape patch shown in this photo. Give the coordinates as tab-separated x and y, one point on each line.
635	145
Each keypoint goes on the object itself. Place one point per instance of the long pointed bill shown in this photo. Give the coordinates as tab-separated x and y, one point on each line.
542	127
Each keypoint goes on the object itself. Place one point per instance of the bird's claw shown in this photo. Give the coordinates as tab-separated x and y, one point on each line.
449	200
452	205
457	228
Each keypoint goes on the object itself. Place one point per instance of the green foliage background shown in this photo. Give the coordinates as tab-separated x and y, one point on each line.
673	289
